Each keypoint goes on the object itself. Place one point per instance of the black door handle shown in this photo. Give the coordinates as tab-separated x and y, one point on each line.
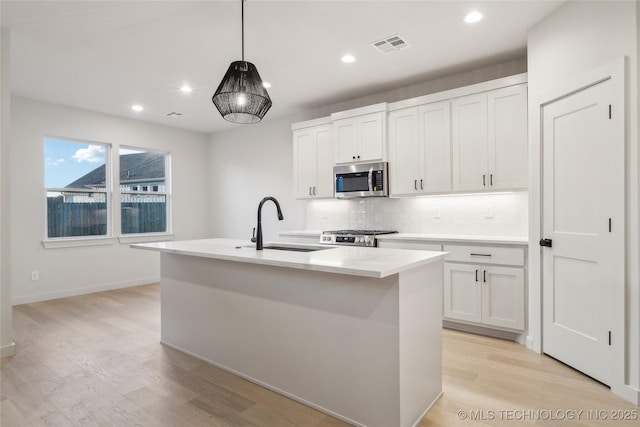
546	242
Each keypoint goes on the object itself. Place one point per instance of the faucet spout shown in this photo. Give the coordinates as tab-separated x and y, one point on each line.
259	227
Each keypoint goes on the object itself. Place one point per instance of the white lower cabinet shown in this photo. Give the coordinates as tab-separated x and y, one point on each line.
486	295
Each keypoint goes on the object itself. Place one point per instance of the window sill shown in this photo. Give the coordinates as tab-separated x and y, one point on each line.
73	242
145	238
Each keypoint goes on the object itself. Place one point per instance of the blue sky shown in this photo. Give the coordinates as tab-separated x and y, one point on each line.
66	161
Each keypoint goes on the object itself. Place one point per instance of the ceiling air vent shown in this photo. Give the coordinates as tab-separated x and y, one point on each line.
390	44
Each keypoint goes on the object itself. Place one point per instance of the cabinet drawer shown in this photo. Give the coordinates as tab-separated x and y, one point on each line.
485	254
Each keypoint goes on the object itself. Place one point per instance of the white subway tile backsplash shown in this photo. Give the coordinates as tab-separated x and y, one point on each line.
501	214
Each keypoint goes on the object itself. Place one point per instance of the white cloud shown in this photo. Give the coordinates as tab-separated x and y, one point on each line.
57	162
91	154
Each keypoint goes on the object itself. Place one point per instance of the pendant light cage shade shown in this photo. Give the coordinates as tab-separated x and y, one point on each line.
241	96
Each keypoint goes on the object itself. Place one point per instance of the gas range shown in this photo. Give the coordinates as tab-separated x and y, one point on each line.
353	237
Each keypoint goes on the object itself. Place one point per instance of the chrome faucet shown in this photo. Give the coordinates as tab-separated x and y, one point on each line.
280	217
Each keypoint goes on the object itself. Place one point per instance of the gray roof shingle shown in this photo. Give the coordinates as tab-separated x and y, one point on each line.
137	167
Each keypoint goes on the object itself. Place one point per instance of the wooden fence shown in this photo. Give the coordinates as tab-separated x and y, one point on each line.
90	219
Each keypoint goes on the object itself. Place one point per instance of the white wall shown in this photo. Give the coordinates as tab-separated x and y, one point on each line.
254	161
577	38
71	271
248	164
7	346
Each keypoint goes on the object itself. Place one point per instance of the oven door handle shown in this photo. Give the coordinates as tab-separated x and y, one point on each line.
370	180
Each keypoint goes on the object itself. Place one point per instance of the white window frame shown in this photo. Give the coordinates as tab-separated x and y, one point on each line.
105	239
113	198
118	192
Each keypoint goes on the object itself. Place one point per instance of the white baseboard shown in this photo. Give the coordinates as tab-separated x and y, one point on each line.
82	291
8	350
479	330
529	342
628	393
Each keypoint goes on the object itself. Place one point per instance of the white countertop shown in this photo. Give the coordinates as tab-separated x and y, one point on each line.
452	238
456	238
357	261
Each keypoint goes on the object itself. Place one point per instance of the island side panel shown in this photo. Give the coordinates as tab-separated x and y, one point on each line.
420	340
329	340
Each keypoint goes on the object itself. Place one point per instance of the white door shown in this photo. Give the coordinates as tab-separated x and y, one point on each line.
583	185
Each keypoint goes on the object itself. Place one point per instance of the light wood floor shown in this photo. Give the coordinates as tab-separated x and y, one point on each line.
97	360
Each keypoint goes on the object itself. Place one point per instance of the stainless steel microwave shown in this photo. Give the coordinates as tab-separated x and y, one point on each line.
361	180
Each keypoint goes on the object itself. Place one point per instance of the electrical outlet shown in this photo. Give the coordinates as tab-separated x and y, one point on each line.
488	213
35	275
436	213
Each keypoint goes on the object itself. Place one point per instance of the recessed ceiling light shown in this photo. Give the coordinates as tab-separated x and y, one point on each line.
266	85
348	59
472	17
186	88
137	108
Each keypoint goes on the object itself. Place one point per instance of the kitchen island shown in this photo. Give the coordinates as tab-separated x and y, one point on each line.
353	332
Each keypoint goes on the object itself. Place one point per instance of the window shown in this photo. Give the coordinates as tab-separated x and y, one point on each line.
79	187
76	180
141	212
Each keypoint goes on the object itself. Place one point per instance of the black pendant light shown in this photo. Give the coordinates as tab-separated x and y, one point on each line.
241	96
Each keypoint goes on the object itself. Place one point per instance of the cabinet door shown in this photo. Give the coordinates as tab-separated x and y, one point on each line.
435	137
462	292
345	142
507	110
371	137
324	162
304	163
503	297
404	151
469	117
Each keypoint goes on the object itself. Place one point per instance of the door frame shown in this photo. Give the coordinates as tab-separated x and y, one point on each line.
616	72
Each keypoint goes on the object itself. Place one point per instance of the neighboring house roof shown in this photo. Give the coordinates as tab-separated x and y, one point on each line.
137	167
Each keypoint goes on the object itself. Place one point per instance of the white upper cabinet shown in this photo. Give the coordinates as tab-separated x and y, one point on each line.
489	135
360	135
313	159
420	149
404	146
435	137
470	142
508	148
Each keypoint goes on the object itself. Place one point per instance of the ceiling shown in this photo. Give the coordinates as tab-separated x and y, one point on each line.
107	55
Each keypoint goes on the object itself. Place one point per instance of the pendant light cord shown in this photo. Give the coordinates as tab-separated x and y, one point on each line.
242	15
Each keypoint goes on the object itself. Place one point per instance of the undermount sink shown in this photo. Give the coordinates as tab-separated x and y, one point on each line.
294	248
